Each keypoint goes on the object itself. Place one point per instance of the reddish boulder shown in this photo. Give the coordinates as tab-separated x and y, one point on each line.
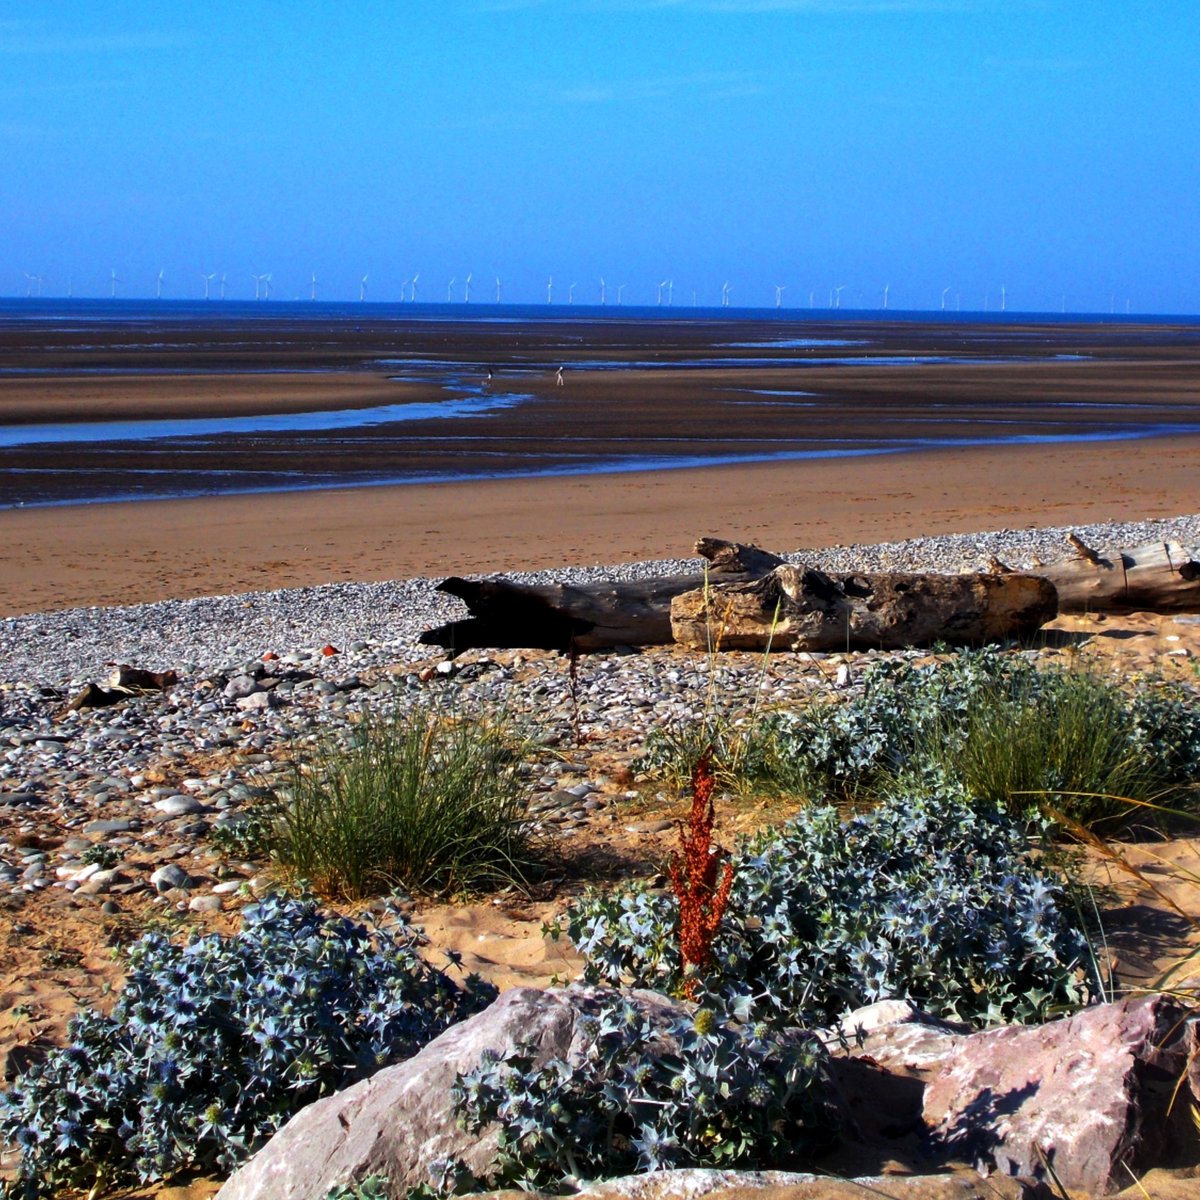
1087	1099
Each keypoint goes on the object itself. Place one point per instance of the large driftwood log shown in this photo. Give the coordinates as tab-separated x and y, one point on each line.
816	610
799	608
1161	577
583	618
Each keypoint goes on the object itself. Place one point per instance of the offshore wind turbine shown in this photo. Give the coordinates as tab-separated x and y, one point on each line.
450	291
29	282
413	294
601	291
207	282
725	294
222	286
811	293
886	289
312	287
158	287
550	290
258	282
660	288
837	295
362	289
113	281
670	292
267	286
1003	298
780	288
467	289
945	292
620	289
571	294
497	289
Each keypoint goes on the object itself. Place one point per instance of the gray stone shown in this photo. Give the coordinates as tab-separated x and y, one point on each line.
99	882
695	1182
119	825
239	686
179	805
168	877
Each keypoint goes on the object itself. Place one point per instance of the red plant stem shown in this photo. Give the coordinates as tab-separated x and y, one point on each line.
694	879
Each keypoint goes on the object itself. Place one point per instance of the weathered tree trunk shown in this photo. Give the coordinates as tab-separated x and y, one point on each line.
1160	577
799	608
816	611
587	617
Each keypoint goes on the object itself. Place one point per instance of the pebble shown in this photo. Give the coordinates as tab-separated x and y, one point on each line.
168	877
178	806
256	690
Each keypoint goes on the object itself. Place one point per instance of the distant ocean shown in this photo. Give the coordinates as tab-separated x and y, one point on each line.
151	311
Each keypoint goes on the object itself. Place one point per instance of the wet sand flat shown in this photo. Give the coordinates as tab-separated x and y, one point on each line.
998	426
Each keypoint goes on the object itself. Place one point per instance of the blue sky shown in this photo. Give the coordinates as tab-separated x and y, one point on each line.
1049	146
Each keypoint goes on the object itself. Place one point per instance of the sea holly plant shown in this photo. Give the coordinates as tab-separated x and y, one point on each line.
212	1045
644	1096
701	895
930	896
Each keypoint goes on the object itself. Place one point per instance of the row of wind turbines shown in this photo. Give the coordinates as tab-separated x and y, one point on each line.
215	285
264	282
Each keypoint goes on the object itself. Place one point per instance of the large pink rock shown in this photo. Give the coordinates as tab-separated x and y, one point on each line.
402	1120
1089	1095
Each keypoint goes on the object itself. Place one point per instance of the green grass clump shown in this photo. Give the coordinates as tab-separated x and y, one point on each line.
1062	738
418	802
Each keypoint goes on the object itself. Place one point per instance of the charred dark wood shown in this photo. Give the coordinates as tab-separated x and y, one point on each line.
580	618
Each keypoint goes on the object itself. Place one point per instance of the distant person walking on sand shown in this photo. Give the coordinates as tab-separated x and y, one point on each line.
558	378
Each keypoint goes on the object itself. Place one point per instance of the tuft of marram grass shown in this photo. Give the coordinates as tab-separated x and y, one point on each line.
420	801
1060	737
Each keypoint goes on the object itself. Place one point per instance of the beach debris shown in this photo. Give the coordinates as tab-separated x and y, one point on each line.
125	681
748	599
584	617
